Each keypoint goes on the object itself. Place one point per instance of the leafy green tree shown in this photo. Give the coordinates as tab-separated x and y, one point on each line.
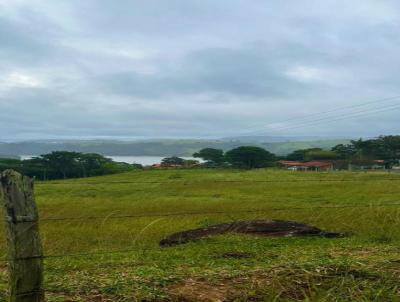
92	163
117	167
38	167
191	163
320	155
249	157
211	155
172	161
383	147
311	154
297	155
62	162
14	164
364	149
344	151
387	147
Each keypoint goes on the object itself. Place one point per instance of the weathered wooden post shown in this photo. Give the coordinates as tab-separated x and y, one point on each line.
24	244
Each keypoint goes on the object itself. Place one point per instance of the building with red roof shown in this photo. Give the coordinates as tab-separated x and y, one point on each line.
307	166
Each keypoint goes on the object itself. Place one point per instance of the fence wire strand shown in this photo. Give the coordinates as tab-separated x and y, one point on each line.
216	181
394	203
86	254
126	251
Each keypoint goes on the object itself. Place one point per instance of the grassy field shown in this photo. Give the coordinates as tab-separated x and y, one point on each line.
363	266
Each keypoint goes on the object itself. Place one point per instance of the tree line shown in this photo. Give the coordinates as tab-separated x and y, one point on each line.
241	157
64	164
386	148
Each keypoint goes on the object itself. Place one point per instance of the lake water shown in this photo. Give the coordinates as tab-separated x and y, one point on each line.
143	160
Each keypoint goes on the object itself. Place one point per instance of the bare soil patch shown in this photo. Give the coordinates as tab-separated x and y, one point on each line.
274	228
236	255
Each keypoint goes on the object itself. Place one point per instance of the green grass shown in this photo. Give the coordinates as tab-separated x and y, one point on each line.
364	266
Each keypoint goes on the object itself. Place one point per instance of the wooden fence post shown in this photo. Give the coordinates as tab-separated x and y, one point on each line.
24	244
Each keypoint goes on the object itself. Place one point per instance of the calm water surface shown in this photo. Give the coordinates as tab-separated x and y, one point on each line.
143	160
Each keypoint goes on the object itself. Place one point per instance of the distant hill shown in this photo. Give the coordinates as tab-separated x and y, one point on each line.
168	147
278	139
283	148
7	156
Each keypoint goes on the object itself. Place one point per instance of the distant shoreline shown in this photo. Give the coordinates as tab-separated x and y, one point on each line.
130	159
181	148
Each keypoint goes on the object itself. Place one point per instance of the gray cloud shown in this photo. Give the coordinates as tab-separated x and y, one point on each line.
194	68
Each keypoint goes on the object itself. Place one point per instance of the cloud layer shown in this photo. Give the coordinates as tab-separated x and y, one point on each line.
206	68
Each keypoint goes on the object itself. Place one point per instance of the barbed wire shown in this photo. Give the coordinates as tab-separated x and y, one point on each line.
216	181
157	248
393	203
90	254
138	249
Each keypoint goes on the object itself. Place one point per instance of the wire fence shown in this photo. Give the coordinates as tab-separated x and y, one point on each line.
390	204
114	252
123	251
218	181
155	248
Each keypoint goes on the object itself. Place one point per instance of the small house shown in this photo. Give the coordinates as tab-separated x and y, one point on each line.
306	166
365	165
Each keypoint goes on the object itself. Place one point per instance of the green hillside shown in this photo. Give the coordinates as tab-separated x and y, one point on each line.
181	147
284	148
128	264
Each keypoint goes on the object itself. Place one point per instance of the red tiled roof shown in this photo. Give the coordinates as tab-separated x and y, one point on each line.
314	164
317	164
291	163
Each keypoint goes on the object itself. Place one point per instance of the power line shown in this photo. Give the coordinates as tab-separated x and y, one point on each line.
329	111
355	114
305	117
329	119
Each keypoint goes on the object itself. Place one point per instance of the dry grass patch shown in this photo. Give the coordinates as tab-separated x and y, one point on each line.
199	291
280	284
64	297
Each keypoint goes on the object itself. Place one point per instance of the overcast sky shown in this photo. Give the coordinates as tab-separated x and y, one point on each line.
198	68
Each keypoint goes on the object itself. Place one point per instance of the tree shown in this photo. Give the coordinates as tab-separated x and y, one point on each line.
387	147
14	164
344	151
309	154
320	155
297	155
191	163
92	163
211	155
62	162
364	149
249	157
383	147
172	161
37	167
